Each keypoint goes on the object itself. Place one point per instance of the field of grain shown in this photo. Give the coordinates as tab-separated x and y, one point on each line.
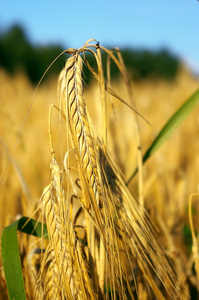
170	177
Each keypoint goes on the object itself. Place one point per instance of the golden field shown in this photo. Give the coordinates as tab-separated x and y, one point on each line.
169	178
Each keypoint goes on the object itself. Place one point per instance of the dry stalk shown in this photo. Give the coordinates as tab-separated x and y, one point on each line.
136	235
82	135
69	256
118	231
124	227
87	156
195	246
49	276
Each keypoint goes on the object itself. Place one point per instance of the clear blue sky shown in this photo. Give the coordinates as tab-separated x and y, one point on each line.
173	24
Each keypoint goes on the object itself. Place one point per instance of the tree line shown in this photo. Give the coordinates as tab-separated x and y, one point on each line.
18	54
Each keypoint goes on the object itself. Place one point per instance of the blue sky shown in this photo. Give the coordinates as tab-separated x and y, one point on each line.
152	24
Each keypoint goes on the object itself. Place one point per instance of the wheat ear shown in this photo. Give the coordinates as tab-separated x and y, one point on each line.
48	280
80	128
69	256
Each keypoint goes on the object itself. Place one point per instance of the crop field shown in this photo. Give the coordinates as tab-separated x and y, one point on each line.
69	167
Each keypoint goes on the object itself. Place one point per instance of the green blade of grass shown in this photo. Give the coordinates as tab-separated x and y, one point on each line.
179	116
32	227
11	255
12	263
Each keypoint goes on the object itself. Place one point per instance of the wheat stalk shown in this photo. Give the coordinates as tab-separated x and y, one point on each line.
118	230
69	257
87	156
82	135
137	236
51	276
124	227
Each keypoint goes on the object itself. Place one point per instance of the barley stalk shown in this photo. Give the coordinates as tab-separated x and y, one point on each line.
48	277
117	228
69	256
85	145
82	134
124	227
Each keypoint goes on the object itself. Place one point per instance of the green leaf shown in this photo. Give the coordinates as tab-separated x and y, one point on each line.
11	256
180	115
32	227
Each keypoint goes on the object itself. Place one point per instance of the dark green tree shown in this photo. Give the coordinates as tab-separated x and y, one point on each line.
17	53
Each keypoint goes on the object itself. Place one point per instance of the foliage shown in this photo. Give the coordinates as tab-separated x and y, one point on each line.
11	255
33	60
141	63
